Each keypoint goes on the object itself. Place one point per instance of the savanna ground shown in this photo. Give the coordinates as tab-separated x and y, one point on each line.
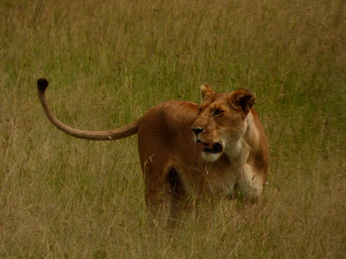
108	62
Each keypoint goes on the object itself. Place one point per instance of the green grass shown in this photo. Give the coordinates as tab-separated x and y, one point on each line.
110	61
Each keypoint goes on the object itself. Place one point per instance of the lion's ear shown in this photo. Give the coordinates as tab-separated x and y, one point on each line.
206	91
242	99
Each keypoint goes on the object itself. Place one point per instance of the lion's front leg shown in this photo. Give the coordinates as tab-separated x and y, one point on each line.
250	184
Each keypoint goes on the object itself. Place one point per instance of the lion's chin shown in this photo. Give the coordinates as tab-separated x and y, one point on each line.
210	157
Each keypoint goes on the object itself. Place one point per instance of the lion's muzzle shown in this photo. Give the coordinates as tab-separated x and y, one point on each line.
214	148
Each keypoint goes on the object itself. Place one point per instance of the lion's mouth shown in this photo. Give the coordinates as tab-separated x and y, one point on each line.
214	148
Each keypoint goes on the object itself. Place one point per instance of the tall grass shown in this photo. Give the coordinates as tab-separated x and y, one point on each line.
108	62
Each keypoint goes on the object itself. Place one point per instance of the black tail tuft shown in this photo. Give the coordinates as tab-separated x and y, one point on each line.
42	84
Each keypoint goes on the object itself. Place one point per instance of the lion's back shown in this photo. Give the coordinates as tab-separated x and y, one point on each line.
172	115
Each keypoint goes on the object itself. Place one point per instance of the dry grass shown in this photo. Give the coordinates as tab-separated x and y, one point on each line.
108	62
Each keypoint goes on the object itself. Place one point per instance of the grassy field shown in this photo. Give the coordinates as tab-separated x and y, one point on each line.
108	62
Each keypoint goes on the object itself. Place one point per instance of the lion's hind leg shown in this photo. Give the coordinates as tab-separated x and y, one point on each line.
158	201
166	198
181	202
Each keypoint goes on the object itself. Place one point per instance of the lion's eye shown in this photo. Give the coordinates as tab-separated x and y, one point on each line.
218	112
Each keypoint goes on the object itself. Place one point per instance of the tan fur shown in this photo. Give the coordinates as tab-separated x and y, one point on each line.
229	158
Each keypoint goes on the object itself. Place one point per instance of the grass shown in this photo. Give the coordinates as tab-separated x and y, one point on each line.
108	62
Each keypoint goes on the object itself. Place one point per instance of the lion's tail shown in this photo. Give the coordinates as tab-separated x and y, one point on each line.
126	131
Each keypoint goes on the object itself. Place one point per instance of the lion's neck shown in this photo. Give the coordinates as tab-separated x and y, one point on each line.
238	150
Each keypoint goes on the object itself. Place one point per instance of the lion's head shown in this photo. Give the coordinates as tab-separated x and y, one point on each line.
221	121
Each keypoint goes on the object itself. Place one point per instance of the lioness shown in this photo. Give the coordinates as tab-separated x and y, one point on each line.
191	152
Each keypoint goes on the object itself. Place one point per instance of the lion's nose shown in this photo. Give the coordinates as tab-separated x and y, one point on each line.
197	130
